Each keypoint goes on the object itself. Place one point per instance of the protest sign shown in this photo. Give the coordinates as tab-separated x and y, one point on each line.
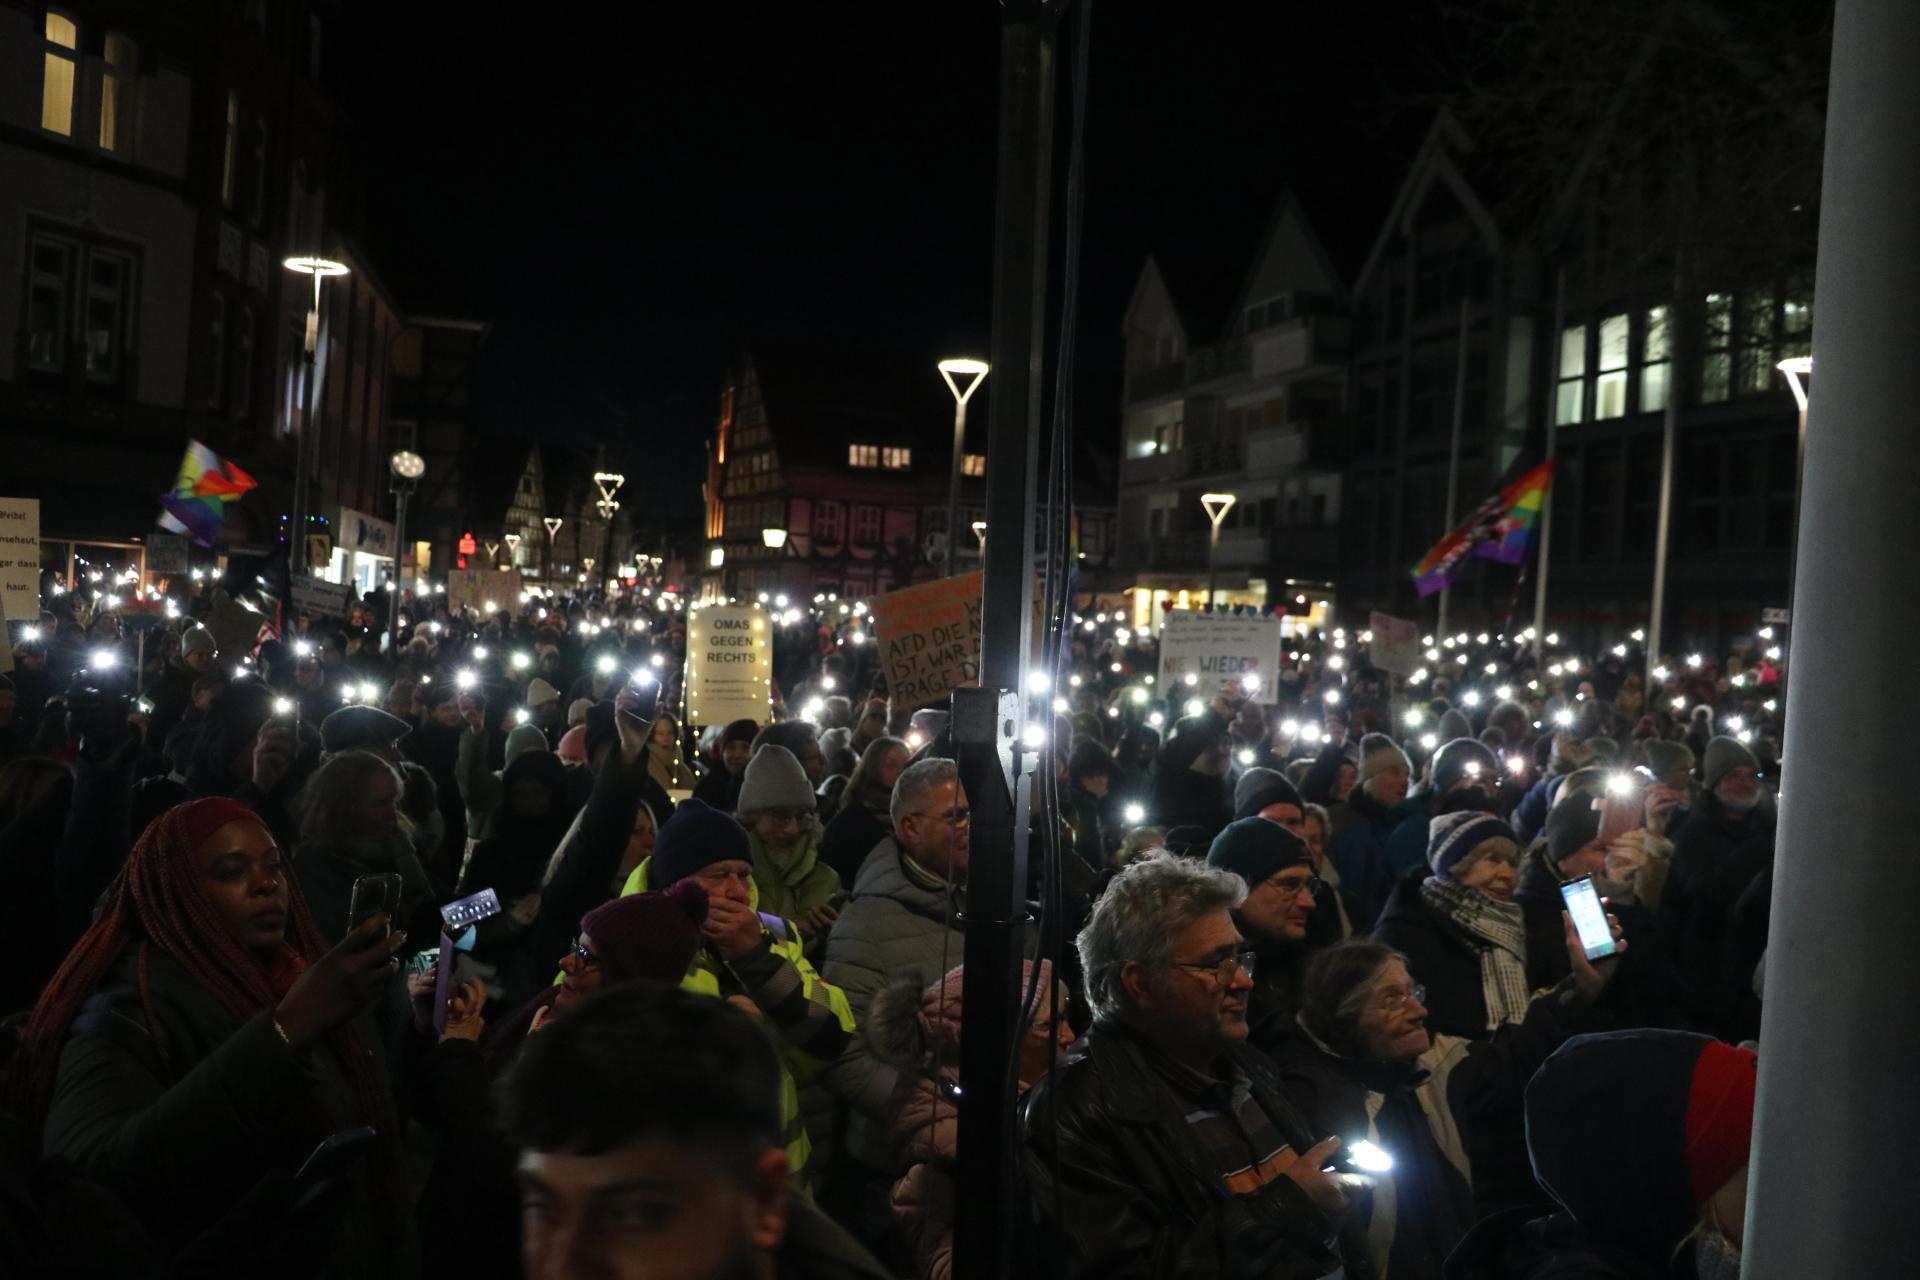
485	591
1396	643
236	628
166	554
929	637
1218	649
318	597
729	665
20	557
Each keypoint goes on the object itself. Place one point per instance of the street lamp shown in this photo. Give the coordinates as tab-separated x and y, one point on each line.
319	269
407	468
980	536
553	524
963	377
1217	505
774	539
609	483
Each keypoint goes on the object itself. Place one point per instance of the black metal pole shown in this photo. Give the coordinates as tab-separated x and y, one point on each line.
986	721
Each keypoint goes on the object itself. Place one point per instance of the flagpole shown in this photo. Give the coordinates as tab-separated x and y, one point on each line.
1669	434
1550	401
1453	449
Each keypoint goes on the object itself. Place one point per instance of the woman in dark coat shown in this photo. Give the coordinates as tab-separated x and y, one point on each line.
199	1042
864	819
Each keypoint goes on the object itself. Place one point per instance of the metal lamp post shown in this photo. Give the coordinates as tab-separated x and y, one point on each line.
1217	505
1799	371
963	377
407	468
319	269
609	483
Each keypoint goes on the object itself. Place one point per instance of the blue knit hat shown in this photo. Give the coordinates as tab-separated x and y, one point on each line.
1255	848
695	837
1452	836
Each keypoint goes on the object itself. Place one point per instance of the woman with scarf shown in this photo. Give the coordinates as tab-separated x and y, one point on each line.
201	1040
864	819
1479	952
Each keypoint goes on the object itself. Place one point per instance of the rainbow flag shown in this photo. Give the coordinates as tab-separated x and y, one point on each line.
1501	528
198	502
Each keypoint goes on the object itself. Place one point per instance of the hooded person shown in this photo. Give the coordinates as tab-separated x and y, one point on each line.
777	809
916	1029
1190	785
1275	918
200	1040
1090	778
757	958
720	788
1380	804
1657	1189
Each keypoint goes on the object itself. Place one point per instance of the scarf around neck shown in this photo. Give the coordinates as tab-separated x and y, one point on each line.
1498	932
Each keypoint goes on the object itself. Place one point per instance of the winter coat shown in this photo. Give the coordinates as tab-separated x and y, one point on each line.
797	887
1532	1243
1360	856
181	1116
1446	960
1278	974
898	920
1406	847
1715	859
850	837
1125	1187
1182	797
436	748
810	1017
720	789
1446	1119
171	694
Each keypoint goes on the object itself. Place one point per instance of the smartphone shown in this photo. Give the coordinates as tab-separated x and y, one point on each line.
1589	917
470	910
372	896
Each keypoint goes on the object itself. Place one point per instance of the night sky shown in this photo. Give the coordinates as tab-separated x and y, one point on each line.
629	196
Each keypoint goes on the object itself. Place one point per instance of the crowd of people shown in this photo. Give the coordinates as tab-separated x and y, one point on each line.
329	958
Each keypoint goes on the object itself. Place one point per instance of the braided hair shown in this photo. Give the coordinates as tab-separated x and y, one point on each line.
156	902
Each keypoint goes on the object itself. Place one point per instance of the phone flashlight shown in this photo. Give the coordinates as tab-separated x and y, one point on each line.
1516	765
1250	683
521	662
1619	784
604	664
302	649
522	716
283	706
1135	815
642	678
465	679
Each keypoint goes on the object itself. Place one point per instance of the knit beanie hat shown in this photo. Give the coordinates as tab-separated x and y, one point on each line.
1259	788
648	935
1720	1116
577	711
1724	754
525	738
1664	757
1452	836
1572	824
1089	759
198	640
1454	724
351	727
1255	848
739	731
939	1016
774	780
540	693
1379	753
695	837
1451	763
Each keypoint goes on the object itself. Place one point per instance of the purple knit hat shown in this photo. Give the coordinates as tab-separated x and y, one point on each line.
648	935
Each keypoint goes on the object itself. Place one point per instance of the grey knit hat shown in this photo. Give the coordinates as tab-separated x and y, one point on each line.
774	780
1724	754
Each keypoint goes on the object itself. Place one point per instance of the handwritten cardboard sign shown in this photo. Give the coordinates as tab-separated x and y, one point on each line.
20	557
1396	643
1218	649
929	638
729	665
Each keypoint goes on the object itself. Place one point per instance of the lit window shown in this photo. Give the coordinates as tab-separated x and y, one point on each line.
896	459
116	91
1610	369
1716	349
863	455
61	67
1656	361
1570	405
973	464
230	154
1796	323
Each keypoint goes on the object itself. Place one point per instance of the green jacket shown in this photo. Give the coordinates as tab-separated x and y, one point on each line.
802	884
811	1019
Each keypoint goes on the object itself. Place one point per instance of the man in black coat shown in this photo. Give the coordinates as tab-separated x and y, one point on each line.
1164	1145
1275	918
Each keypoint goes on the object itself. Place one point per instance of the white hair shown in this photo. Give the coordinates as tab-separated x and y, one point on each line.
916	782
1140	919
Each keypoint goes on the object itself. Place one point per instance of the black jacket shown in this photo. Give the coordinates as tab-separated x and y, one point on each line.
1716	858
1539	1243
1446	961
720	789
849	838
1134	1195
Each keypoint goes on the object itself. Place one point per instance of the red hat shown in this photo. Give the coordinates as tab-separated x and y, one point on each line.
648	935
1720	1116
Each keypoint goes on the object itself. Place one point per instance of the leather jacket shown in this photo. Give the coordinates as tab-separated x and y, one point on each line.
1134	1195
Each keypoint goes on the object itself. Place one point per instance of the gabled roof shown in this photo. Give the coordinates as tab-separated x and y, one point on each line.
820	398
1443	159
1290	215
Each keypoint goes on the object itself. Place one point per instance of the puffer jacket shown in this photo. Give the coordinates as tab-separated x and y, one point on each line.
810	1017
898	921
1132	1196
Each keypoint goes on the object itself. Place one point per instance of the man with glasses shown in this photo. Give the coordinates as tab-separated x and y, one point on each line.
1277	867
1164	1145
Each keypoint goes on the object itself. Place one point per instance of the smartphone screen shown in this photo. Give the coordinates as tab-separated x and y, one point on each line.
372	896
1589	917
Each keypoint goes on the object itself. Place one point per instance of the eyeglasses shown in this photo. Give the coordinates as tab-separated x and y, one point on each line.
1397	1001
1223	970
583	957
1309	885
787	815
957	817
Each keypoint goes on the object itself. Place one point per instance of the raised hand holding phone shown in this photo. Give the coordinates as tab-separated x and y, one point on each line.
338	985
1594	937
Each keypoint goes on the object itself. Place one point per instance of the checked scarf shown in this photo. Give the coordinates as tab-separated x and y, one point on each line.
1498	934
